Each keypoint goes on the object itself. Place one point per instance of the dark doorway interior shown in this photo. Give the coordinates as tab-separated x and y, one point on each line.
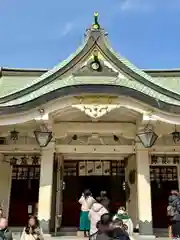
113	185
95	184
163	180
24	194
71	207
75	185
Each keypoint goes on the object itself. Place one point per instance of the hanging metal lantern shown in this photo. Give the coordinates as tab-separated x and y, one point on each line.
13	161
176	135
43	138
154	159
24	160
176	160
14	135
35	160
147	138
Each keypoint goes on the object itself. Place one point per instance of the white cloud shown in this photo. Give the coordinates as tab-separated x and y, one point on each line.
68	27
140	5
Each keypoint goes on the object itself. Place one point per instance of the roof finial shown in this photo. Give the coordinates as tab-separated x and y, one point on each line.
96	24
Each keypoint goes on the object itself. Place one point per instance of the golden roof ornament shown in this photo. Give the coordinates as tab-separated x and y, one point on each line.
95	27
96	24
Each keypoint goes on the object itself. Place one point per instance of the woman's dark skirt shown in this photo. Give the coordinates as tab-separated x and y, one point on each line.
176	229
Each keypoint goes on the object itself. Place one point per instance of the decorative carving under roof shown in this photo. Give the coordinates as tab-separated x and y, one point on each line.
95	110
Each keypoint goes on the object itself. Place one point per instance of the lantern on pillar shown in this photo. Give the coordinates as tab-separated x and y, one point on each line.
43	136
147	137
176	135
14	135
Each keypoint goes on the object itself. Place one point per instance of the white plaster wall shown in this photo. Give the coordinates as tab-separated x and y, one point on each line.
5	186
46	181
132	203
144	192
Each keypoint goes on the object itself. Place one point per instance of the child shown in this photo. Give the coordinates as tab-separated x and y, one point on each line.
127	222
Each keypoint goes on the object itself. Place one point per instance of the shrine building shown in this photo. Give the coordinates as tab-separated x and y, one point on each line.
93	121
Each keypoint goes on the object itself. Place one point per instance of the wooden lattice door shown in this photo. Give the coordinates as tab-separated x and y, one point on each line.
24	194
163	180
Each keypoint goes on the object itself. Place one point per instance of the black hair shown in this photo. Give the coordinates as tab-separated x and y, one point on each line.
33	228
87	193
106	219
118	223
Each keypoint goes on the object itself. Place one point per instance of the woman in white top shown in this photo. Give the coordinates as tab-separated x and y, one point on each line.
95	213
32	231
86	202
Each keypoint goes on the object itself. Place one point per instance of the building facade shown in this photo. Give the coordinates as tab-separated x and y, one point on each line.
93	121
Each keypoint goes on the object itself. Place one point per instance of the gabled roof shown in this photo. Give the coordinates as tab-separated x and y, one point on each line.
163	72
125	78
20	71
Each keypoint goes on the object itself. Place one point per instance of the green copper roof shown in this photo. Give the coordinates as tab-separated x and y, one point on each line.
70	81
169	83
12	84
18	84
19	90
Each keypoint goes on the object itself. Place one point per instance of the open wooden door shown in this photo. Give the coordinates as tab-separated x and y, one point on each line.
70	217
58	199
75	183
163	180
24	194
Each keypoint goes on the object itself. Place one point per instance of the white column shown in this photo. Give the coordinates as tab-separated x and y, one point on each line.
5	185
132	205
45	188
144	192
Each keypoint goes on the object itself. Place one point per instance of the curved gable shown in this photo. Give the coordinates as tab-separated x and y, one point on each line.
75	71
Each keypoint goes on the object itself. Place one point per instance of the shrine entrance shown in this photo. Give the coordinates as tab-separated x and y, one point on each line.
24	194
163	180
95	175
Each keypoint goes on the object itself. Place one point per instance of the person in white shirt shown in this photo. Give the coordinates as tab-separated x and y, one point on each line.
86	202
95	213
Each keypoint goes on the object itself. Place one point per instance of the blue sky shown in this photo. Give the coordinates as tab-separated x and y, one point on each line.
40	33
